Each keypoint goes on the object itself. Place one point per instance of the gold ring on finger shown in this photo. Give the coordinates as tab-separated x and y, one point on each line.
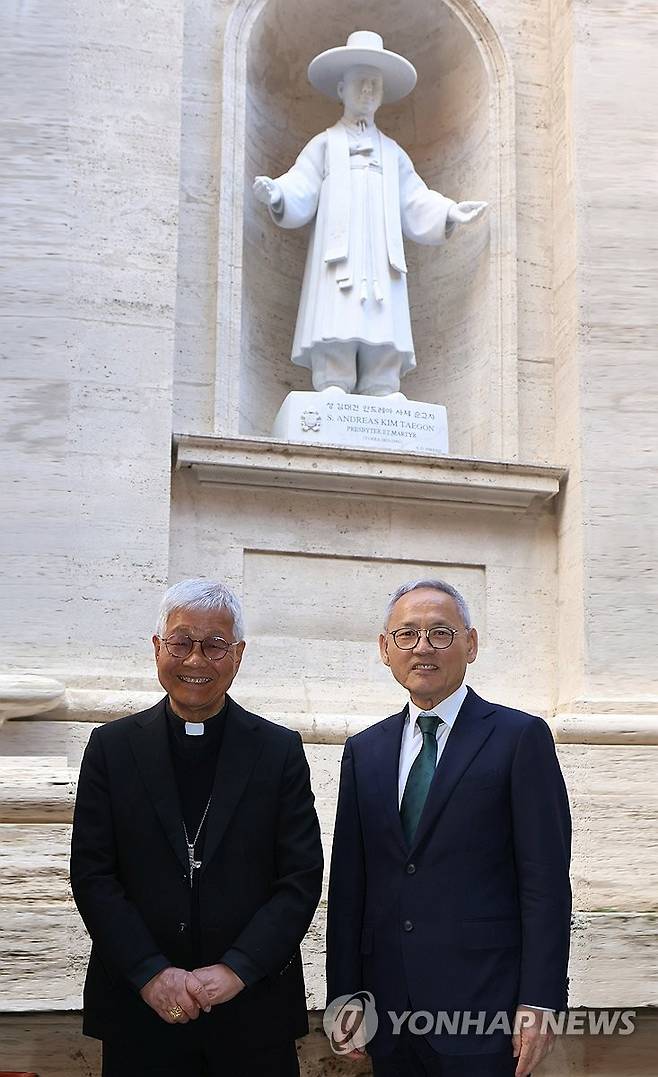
175	1012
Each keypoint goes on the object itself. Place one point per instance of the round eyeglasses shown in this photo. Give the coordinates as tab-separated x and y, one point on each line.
438	638
212	647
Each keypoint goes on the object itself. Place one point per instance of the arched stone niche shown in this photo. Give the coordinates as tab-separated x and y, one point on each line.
457	126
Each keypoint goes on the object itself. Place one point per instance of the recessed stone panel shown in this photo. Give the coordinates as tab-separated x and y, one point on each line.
312	597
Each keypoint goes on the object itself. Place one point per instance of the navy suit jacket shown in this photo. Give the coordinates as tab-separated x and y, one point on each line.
475	915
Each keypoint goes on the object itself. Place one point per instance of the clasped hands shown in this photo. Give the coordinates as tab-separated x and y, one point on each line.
191	992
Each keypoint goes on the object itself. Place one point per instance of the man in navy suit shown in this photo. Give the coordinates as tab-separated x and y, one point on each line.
449	898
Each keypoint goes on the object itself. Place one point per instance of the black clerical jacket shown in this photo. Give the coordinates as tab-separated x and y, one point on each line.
259	884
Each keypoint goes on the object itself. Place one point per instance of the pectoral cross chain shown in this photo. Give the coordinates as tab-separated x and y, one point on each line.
193	862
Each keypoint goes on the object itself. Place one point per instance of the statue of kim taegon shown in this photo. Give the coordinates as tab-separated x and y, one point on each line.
362	193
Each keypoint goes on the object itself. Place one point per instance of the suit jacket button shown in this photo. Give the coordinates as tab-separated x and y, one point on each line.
411	869
408	926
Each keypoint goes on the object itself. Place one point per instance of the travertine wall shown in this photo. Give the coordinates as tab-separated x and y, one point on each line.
608	271
316	578
604	101
159	318
89	363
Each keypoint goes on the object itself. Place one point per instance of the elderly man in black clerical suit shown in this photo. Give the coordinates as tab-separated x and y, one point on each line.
449	896
196	865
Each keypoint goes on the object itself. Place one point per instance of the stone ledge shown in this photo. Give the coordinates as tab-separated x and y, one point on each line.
605	728
99	705
25	694
612	959
263	462
36	789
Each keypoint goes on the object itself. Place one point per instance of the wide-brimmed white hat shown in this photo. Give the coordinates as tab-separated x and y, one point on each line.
363	48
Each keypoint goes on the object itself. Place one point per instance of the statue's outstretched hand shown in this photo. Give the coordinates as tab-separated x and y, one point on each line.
267	191
465	212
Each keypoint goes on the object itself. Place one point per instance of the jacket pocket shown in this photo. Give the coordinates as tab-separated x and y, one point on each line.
491	934
486	779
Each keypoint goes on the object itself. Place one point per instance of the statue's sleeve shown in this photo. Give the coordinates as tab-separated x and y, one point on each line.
423	212
301	186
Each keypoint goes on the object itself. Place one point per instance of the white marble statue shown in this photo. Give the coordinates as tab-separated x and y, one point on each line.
353	327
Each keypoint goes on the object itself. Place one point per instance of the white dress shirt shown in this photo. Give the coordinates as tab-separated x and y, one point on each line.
412	738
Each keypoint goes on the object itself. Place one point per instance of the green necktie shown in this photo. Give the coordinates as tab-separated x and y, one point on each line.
420	777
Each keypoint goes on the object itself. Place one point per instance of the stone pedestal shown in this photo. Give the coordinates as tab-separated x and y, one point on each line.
369	422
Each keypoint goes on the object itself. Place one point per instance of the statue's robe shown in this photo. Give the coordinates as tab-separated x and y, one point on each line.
365	195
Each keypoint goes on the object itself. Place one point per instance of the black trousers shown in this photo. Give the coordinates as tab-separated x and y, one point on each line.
278	1061
415	1057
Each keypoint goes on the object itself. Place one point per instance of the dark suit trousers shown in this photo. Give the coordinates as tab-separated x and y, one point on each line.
414	1057
278	1061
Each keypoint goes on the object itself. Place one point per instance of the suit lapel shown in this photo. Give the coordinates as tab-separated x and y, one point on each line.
386	763
150	744
241	747
467	736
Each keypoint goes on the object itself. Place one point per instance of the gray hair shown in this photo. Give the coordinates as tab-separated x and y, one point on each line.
200	594
431	585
